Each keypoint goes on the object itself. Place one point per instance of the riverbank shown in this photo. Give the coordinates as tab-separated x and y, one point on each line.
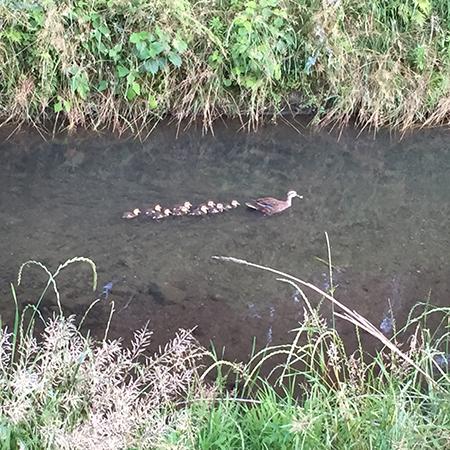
63	390
123	65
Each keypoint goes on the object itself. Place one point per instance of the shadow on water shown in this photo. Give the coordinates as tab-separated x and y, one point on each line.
383	202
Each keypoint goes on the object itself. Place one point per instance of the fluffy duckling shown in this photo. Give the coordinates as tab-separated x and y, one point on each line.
156	209
182	210
161	214
210	206
200	210
131	214
231	205
218	208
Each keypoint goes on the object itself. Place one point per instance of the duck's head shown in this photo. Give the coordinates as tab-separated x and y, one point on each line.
136	211
234	203
187	205
292	194
167	212
210	204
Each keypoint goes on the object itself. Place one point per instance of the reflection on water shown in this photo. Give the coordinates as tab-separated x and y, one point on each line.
384	204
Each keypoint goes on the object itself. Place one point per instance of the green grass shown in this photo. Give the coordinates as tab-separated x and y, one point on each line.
64	390
121	65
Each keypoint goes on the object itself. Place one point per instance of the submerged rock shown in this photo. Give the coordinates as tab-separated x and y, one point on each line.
387	325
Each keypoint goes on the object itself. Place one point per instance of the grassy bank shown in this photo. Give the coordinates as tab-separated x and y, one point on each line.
62	390
124	65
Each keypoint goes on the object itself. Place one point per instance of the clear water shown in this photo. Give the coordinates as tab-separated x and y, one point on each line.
384	203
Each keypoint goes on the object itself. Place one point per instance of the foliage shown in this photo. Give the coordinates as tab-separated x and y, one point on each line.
66	391
120	64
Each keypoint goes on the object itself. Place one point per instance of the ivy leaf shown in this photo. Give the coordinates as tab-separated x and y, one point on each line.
57	107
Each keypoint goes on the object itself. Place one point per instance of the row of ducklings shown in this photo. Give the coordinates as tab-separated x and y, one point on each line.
186	209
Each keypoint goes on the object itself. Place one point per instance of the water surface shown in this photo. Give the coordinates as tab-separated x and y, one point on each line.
384	203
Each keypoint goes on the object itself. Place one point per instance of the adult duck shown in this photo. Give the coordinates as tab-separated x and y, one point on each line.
270	205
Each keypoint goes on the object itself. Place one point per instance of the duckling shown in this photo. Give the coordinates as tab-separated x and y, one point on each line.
218	208
131	214
200	210
181	210
156	209
231	205
210	206
166	212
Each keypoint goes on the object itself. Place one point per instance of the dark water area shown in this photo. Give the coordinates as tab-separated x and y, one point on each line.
384	203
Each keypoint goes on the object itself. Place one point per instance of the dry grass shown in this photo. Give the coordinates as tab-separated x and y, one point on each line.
74	393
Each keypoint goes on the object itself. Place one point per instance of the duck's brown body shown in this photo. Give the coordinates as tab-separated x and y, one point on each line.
270	205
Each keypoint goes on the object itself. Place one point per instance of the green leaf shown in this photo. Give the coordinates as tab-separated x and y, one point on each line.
103	85
152	102
122	71
179	45
130	94
141	50
278	22
57	107
83	87
105	31
250	82
175	59
102	48
136	88
155	48
152	66
67	105
74	70
138	37
266	12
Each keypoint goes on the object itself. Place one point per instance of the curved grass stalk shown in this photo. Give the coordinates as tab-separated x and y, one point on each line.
348	315
51	277
87	312
51	281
